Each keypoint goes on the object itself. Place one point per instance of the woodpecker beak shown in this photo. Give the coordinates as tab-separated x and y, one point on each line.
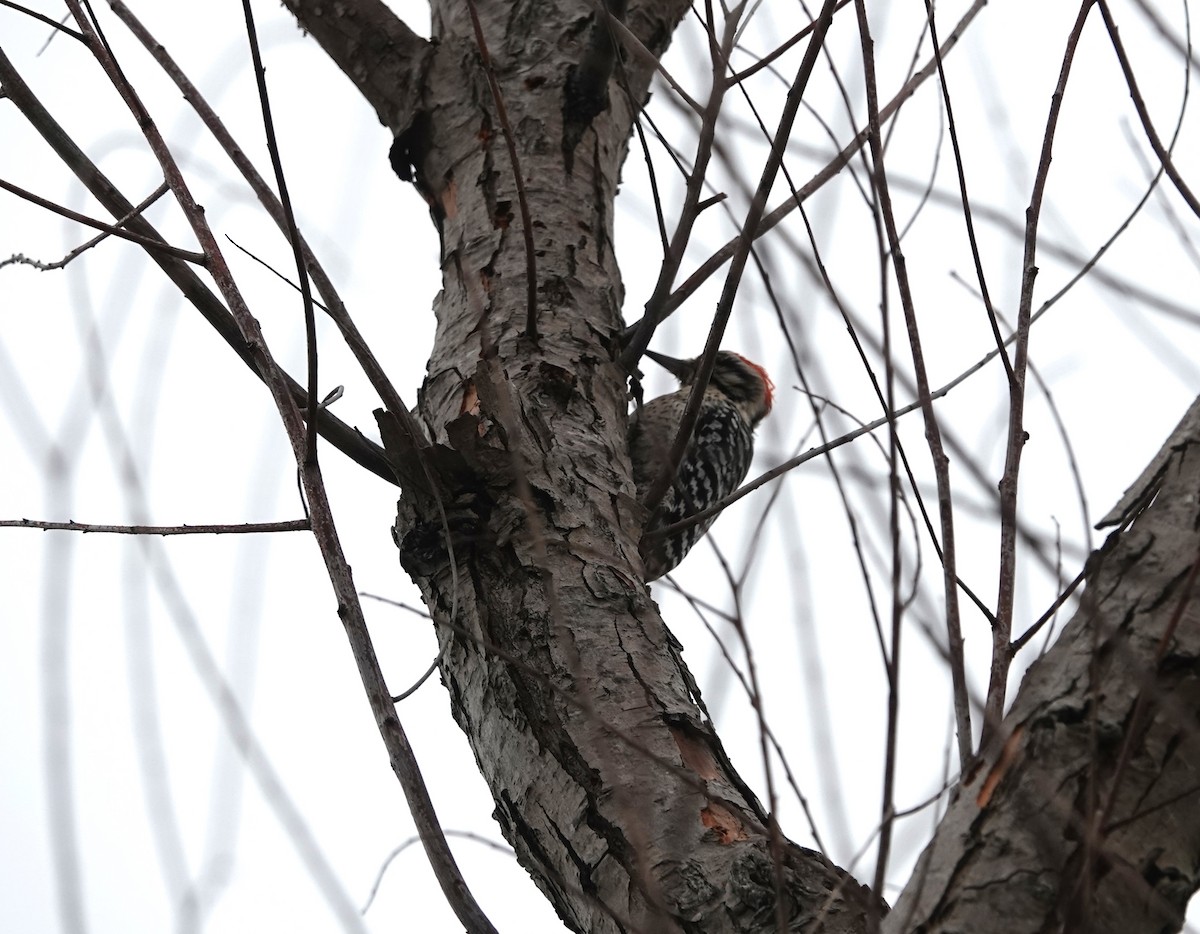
682	370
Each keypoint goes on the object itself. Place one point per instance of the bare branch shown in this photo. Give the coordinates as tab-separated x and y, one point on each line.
158	192
1164	156
1002	631
149	243
290	525
293	234
59	27
349	440
835	165
324	528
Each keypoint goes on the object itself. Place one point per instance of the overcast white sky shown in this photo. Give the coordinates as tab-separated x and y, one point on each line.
118	404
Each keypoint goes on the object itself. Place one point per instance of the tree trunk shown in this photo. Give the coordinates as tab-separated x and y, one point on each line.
587	726
608	780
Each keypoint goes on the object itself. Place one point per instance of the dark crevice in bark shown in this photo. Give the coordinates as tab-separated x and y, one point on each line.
585	90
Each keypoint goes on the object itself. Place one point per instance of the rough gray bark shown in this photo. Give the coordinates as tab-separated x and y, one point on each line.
608	779
1083	817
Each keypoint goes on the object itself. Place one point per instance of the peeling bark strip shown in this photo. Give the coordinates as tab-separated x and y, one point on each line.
1083	816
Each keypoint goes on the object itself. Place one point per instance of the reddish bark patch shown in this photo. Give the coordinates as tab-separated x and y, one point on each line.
724	822
449	196
470	400
696	754
1008	755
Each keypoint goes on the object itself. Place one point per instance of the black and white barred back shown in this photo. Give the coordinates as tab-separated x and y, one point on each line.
738	397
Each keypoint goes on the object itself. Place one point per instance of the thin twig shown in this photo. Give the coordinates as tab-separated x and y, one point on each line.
634	45
293	234
1139	104
149	243
966	200
766	60
884	214
399	604
1059	424
832	168
403	760
249	254
760	715
1002	631
60	27
1020	642
158	192
461	834
412	688
700	608
289	525
733	278
655	196
689	210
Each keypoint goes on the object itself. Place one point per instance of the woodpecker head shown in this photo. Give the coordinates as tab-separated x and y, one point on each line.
745	384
